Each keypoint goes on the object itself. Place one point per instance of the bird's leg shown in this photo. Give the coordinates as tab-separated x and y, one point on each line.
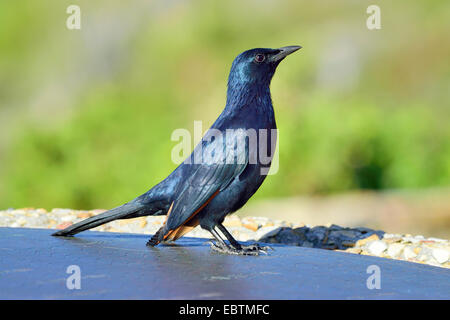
220	245
236	245
253	249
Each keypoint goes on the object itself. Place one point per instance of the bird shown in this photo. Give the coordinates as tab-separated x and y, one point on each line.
224	170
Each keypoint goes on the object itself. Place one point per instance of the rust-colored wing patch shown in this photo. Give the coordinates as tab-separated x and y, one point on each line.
189	224
182	230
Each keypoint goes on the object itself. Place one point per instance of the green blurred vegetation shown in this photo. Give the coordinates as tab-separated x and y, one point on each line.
87	115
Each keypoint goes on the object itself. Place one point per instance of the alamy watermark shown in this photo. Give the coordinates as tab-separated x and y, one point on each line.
374	280
232	146
74	280
73	21
373	22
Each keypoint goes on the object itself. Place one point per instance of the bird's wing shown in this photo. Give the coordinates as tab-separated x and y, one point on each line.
221	160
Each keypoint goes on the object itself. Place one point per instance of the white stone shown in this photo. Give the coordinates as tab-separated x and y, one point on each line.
441	255
68	218
395	249
411	240
21	221
437	240
377	247
409	253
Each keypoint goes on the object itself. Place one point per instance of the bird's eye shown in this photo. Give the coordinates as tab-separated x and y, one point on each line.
260	58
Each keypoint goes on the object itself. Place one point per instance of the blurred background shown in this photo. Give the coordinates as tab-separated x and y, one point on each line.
86	115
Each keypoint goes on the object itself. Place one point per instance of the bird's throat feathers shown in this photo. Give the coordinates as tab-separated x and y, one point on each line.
242	94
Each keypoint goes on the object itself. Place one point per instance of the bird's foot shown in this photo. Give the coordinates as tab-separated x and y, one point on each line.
246	250
256	247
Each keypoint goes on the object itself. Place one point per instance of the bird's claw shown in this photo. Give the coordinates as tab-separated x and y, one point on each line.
247	250
256	247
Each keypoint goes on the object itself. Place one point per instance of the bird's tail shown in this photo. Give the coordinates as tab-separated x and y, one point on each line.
128	210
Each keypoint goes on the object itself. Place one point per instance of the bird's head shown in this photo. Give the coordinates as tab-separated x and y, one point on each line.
257	66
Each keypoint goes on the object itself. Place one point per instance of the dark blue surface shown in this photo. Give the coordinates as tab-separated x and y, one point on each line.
119	266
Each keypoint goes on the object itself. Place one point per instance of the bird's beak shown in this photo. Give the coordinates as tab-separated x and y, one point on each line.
284	51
